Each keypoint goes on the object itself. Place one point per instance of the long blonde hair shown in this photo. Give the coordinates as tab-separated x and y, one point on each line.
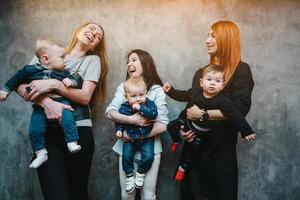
100	50
229	47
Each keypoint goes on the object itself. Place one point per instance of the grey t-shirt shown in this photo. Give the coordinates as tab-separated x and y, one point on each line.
88	67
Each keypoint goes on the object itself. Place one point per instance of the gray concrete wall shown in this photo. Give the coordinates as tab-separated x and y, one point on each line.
174	32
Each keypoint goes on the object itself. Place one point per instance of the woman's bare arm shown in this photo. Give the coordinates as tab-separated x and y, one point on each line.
195	113
52	109
80	96
158	128
135	119
215	115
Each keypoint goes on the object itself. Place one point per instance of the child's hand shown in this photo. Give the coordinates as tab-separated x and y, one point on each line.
250	137
3	95
67	82
119	134
167	87
136	106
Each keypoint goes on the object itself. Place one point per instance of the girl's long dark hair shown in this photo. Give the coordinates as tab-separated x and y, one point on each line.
149	70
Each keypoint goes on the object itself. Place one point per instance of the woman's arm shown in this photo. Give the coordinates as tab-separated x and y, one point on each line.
162	119
135	119
52	109
112	110
195	113
157	129
80	96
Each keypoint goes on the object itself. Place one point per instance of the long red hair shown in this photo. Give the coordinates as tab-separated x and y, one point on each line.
228	53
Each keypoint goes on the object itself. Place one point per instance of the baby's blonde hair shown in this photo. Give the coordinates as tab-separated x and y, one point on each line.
213	68
134	82
42	46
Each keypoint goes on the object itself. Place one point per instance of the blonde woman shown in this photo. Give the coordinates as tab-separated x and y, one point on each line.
65	176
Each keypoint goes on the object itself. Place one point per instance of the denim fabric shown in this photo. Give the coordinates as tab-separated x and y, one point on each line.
146	147
39	122
37	128
147	110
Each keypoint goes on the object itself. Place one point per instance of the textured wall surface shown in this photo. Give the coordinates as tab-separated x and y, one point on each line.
174	32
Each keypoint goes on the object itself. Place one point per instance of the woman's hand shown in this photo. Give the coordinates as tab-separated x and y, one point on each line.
194	113
53	109
38	87
188	136
250	137
139	120
119	134
124	137
3	95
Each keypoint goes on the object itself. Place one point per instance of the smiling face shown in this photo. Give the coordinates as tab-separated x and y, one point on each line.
134	66
212	83
211	43
90	35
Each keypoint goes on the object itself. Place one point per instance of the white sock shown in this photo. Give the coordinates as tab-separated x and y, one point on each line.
41	157
180	168
73	147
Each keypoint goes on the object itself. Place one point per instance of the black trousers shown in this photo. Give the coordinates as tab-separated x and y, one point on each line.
213	175
65	176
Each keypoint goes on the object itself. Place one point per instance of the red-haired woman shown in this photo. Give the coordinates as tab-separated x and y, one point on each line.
214	175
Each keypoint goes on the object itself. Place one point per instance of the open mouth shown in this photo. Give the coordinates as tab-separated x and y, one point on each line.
131	70
90	38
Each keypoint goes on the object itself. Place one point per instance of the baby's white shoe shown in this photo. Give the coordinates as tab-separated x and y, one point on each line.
41	157
129	184
73	147
139	180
